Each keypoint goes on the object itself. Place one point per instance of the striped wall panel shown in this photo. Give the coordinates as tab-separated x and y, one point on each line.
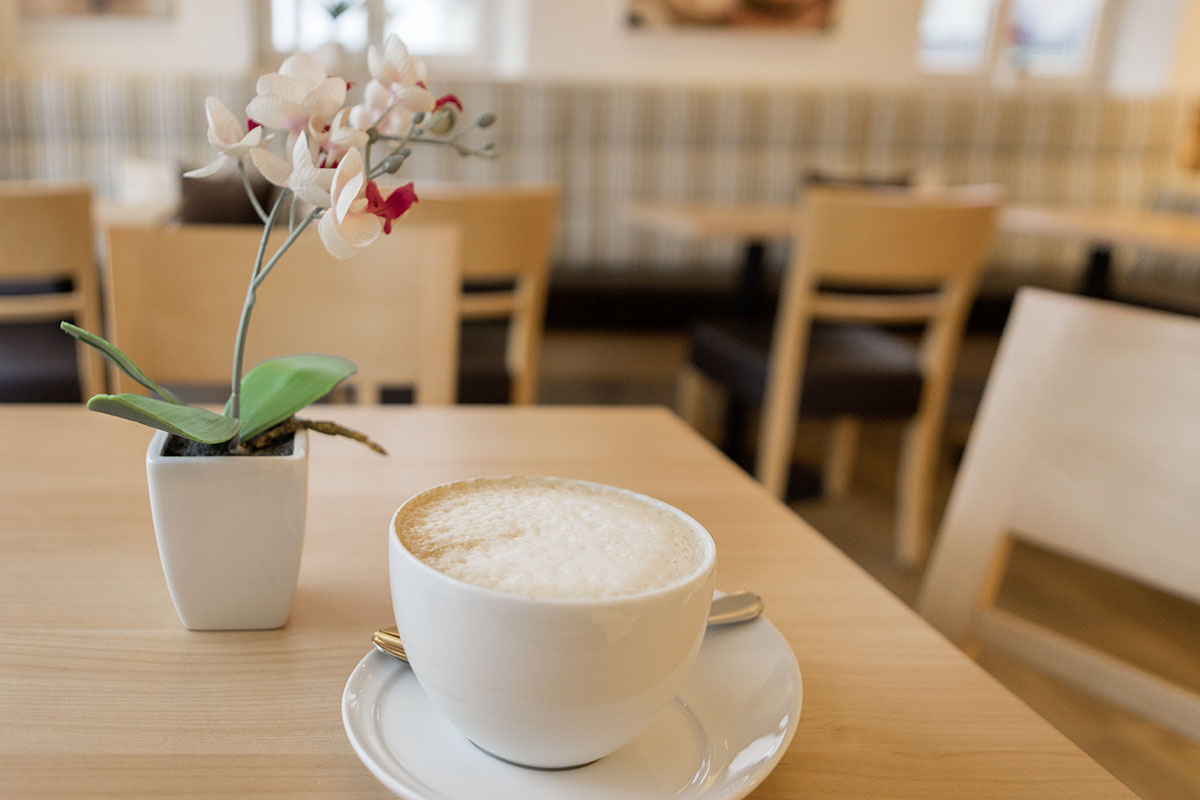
610	145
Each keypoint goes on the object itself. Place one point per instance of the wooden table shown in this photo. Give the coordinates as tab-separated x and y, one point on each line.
1102	229
754	225
104	693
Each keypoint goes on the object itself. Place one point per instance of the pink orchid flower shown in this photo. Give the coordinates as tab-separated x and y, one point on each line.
391	207
402	74
300	92
334	140
378	109
359	212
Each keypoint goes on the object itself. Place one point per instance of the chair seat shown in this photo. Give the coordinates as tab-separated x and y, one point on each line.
859	370
37	364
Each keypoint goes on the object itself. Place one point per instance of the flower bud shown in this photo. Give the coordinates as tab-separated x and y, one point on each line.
485	120
443	120
392	163
418	118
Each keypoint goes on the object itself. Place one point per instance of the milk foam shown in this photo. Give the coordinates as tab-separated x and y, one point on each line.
542	537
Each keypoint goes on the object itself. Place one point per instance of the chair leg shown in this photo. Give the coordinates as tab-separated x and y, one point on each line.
914	490
839	460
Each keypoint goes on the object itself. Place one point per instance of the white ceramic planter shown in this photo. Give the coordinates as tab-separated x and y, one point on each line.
230	531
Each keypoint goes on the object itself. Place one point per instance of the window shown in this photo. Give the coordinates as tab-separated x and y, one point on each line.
451	29
305	25
955	35
1053	38
447	27
1017	38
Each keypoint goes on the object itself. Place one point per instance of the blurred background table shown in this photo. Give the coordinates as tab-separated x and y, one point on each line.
1102	229
104	693
755	225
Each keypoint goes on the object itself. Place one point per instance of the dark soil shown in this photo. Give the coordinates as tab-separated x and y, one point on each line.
178	446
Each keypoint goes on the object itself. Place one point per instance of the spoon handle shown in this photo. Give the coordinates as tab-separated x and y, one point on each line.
388	640
735	607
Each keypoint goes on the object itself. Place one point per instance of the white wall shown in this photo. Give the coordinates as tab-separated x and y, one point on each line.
1147	40
201	36
1186	77
872	42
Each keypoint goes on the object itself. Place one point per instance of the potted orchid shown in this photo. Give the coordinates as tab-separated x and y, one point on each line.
228	490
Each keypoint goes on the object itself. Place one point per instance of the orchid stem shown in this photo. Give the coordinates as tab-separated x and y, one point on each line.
262	274
383	116
262	215
382	168
234	409
459	146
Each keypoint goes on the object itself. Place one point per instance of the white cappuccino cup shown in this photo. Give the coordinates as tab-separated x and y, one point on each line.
549	620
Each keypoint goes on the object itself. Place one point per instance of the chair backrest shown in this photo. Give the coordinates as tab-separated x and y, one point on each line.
174	296
47	236
931	242
508	233
1086	443
895	237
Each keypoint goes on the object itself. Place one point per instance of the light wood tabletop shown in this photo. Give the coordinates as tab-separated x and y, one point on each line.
1159	230
102	691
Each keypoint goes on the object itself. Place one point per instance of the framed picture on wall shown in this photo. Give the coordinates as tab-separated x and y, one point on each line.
127	8
777	15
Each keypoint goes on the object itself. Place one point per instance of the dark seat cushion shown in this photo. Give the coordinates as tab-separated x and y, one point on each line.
482	368
221	199
37	364
860	370
816	177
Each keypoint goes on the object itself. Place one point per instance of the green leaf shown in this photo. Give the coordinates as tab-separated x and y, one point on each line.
122	361
279	387
197	424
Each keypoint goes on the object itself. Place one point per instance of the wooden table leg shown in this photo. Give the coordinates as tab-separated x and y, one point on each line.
751	290
734	444
1097	275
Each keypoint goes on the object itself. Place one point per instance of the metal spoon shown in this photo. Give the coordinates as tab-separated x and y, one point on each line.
735	607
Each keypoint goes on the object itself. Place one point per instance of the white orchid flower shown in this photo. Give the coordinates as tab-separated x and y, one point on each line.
378	109
301	91
359	211
333	141
309	182
347	225
402	74
227	135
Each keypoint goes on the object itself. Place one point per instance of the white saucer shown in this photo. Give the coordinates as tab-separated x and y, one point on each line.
719	739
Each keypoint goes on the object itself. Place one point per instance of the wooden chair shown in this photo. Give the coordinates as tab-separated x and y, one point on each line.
174	296
48	268
508	232
1086	444
863	241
